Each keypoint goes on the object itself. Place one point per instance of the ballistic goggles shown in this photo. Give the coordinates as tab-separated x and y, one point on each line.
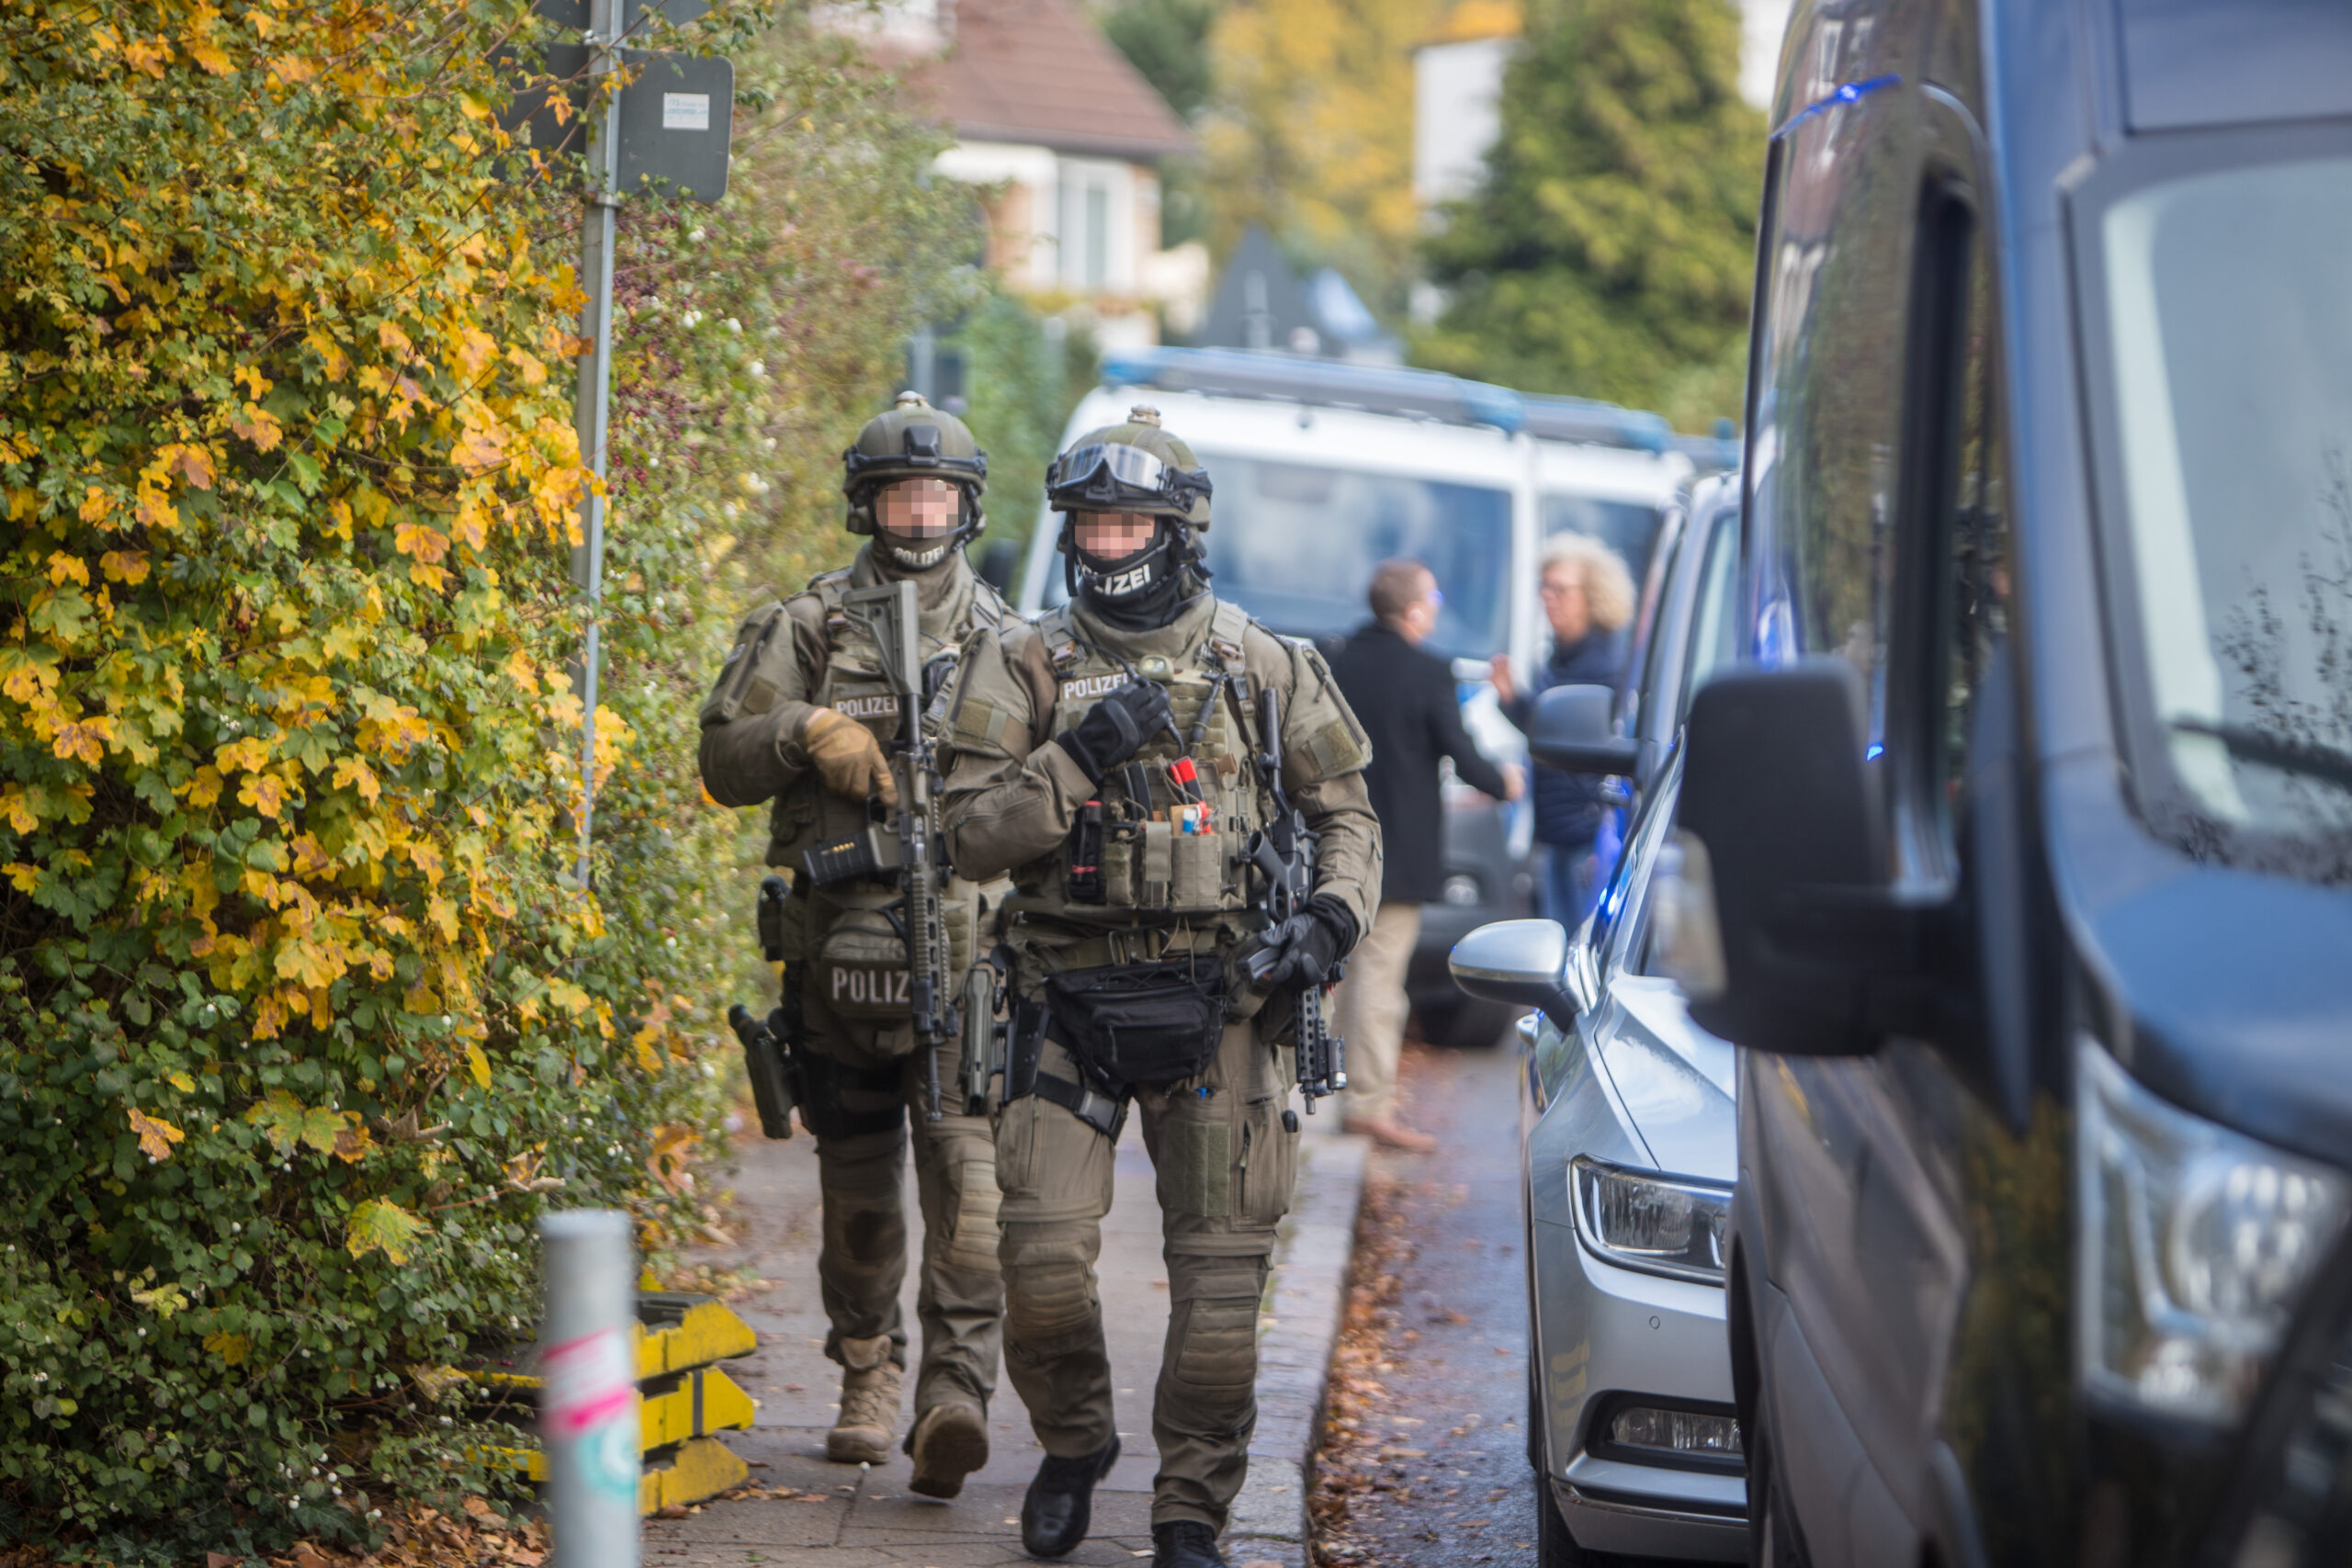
1107	476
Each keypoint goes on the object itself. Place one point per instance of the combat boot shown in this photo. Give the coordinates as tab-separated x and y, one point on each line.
869	1413
1060	1503
1184	1543
948	1443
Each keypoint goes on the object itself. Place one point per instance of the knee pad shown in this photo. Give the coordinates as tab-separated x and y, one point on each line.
1216	1353
969	1244
1049	1301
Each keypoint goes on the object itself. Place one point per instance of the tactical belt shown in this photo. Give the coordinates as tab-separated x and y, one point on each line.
1144	945
1100	1111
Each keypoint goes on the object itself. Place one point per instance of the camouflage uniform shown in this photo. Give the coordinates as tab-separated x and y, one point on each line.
845	968
1223	1143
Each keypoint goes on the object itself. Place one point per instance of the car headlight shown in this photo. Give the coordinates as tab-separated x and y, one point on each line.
2194	1245
1659	1225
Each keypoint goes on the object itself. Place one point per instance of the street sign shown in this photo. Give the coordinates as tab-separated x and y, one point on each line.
638	16
676	117
675	121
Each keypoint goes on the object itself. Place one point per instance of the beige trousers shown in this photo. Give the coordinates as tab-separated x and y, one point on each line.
1373	1008
1226	1164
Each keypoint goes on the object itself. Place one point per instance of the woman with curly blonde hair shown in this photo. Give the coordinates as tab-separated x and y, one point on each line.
1589	599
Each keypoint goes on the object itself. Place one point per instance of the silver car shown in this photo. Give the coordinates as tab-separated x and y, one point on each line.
1627	1126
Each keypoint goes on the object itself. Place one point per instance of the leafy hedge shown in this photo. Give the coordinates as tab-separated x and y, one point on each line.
301	1019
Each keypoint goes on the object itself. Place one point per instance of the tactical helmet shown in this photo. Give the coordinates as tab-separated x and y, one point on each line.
1136	467
914	441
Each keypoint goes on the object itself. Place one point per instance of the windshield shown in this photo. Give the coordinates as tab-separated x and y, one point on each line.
1629	527
1295	545
2229	313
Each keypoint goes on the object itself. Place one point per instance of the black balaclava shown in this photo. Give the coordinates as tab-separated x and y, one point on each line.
1172	578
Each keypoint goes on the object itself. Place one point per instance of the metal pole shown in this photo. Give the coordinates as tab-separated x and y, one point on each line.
588	1410
596	231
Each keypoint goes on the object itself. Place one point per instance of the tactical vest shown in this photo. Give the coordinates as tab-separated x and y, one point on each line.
852	956
1145	851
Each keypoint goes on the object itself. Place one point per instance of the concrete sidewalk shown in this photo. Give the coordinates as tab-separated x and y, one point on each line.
842	1517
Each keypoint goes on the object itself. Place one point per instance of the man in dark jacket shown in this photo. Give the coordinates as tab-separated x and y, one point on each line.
1589	599
1405	699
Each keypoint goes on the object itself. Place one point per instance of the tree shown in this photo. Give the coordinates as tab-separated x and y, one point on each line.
304	1013
1310	133
1168	42
1610	250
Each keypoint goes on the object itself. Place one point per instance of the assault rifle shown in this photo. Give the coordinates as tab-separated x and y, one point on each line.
767	1057
905	845
1282	852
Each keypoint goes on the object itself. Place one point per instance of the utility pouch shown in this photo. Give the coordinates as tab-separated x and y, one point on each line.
1025	1043
1159	866
1142	1025
1197	877
861	968
1086	849
1119	842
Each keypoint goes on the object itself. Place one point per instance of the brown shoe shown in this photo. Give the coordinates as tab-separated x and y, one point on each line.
1390	1133
950	1441
869	1413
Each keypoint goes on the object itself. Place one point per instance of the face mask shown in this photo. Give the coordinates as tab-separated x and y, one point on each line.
1120	554
918	519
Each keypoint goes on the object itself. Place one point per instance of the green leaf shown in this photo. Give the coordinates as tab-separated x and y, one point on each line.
380	1225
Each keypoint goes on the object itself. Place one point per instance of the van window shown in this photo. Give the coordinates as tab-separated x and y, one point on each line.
1629	527
1295	545
1714	618
1953	576
2229	338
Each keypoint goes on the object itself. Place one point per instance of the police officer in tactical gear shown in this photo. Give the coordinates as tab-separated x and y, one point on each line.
1112	759
801	716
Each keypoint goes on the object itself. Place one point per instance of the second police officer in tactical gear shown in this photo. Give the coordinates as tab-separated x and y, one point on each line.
1112	758
801	716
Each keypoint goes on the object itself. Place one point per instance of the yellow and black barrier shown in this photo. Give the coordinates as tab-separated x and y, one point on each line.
683	1400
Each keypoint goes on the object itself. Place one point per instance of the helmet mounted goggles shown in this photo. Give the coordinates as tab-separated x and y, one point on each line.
1114	477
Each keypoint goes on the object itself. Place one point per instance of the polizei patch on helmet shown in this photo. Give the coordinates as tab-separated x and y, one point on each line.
1090	686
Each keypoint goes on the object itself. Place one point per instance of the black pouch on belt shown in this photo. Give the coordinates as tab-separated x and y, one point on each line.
1140	1025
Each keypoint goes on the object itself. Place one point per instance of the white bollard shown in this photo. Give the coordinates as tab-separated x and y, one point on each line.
588	1419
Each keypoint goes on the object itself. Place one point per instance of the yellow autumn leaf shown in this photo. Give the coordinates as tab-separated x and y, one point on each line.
380	1225
96	504
181	1082
231	1348
156	1136
353	773
309	964
26	877
425	543
16	807
528	365
162	1299
83	740
62	566
258	425
478	1064
211	56
205	787
353	1141
125	566
265	793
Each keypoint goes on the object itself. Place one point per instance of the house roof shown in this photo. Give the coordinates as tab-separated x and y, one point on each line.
1039	71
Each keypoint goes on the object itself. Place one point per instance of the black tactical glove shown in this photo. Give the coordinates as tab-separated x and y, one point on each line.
1302	948
1117	728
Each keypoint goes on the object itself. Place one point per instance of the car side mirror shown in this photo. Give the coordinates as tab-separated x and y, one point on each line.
1574	730
1818	956
1523	962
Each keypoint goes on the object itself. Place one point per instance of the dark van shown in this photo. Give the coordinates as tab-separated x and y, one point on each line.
2028	827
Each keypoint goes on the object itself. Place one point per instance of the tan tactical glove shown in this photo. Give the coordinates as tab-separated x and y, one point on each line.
847	757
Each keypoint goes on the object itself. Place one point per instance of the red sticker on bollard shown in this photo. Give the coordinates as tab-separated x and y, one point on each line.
588	1382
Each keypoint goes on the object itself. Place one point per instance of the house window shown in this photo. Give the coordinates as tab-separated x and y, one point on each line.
1089	209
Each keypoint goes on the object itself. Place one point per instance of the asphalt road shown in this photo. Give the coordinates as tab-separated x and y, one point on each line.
1435	1467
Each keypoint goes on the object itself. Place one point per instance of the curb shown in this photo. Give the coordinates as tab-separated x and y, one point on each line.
1306	1299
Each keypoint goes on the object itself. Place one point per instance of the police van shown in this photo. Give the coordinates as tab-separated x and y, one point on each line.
1324	469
